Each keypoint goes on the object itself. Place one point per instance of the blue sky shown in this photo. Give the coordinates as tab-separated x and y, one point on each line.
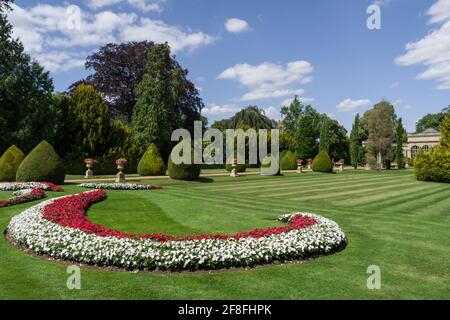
263	52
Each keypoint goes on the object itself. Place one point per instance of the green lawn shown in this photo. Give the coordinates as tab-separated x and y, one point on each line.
391	220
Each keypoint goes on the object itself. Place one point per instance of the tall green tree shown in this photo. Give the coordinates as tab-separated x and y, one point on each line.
25	93
306	138
445	132
154	115
325	136
355	144
381	134
291	115
432	120
400	139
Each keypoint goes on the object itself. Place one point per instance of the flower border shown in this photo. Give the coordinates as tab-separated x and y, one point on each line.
23	196
14	186
119	186
42	236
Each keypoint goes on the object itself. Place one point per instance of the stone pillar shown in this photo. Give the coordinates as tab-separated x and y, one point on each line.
234	172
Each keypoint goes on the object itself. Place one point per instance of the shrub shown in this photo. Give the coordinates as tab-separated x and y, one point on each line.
322	163
189	172
433	165
288	161
42	164
9	163
151	163
239	167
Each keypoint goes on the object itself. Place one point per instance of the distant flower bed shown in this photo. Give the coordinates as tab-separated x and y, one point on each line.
59	228
119	186
13	186
22	196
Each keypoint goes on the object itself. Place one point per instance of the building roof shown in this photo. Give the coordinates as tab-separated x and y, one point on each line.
427	132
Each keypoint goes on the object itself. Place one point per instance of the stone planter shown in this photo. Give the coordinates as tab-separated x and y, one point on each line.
121	164
89	164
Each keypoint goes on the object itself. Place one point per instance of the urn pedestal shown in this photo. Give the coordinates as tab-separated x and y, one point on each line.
234	172
89	164
299	166
120	177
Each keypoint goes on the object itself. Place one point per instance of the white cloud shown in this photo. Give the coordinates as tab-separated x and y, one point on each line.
433	50
269	80
394	85
349	105
287	102
140	4
47	36
96	4
440	11
158	31
220	110
236	25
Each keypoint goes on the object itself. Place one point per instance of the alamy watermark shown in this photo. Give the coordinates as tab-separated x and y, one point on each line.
189	151
74	280
374	280
374	20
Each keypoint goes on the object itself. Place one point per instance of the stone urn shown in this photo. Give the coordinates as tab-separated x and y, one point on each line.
299	166
89	164
310	161
234	172
341	164
121	164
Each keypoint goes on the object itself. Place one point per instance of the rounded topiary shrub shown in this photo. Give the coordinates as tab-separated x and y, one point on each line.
433	165
322	163
239	167
9	163
151	163
288	161
189	172
42	164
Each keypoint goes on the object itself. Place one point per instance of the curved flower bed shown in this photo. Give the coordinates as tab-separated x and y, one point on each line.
119	186
22	196
60	229
14	186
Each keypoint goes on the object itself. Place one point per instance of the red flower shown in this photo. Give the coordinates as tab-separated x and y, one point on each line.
71	212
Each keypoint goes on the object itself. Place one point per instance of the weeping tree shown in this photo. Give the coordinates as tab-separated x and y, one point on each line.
252	117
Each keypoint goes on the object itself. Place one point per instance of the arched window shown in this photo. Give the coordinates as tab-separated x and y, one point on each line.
414	151
426	148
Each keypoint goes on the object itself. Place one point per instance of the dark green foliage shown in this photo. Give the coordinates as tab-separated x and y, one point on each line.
154	111
250	117
433	165
288	161
381	134
325	136
166	100
322	163
432	120
188	172
291	114
151	163
42	164
355	144
26	102
9	163
306	137
445	132
239	167
400	139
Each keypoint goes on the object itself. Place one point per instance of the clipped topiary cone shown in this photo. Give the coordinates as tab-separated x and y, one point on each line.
151	163
42	164
322	162
10	162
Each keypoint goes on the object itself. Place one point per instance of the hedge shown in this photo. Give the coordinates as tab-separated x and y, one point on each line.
188	172
288	161
42	164
10	162
151	163
322	163
433	165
